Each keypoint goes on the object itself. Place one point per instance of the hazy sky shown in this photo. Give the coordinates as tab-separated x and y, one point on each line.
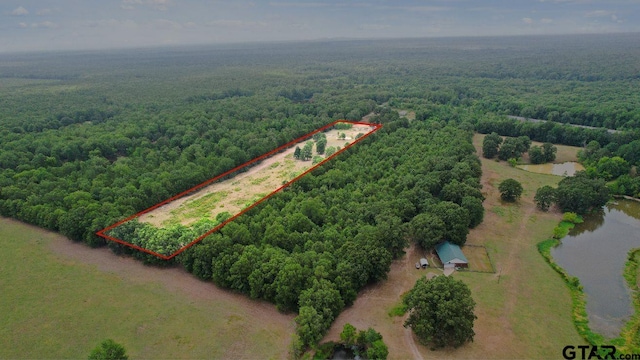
94	24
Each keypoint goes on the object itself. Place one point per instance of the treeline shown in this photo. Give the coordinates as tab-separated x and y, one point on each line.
312	247
85	176
623	144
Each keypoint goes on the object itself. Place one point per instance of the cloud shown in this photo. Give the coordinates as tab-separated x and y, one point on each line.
165	24
42	12
569	1
20	11
418	8
236	23
616	19
527	20
546	20
299	4
374	27
161	5
111	24
45	25
23	25
599	13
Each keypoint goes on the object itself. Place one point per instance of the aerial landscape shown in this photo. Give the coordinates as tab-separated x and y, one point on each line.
320	180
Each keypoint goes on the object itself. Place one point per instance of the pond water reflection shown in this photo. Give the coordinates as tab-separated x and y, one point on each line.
595	252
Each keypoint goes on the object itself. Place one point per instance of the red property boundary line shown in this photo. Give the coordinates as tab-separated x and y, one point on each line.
102	234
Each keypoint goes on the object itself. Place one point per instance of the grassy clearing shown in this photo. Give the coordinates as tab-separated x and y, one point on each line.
198	208
53	306
240	191
478	258
259	181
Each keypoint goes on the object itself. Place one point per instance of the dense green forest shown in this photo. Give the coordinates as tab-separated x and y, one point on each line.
89	138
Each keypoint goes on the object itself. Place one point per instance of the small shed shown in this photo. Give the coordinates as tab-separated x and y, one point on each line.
424	263
451	255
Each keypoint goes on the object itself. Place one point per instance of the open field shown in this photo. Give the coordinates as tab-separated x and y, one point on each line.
233	195
60	299
478	257
524	309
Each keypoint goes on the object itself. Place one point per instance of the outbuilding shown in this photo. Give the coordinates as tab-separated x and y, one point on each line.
451	255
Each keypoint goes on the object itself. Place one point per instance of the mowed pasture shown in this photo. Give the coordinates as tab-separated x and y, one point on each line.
241	191
60	299
524	309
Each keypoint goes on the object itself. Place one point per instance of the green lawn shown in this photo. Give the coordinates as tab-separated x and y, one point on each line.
55	307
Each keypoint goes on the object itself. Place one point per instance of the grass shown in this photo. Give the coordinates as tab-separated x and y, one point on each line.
259	181
478	258
524	310
201	207
54	307
398	310
631	331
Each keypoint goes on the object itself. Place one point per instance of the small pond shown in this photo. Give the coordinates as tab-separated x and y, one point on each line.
595	252
564	169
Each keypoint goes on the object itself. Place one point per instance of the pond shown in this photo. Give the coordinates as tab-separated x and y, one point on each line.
564	169
595	252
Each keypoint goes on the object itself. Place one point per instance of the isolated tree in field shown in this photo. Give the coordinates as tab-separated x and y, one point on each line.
321	145
330	151
536	155
317	136
545	197
489	149
549	152
349	334
108	350
510	190
544	154
523	143
297	154
307	151
441	311
490	145
495	138
342	135
508	149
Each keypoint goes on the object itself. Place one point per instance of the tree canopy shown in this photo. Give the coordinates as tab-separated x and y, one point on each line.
510	190
108	350
441	311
